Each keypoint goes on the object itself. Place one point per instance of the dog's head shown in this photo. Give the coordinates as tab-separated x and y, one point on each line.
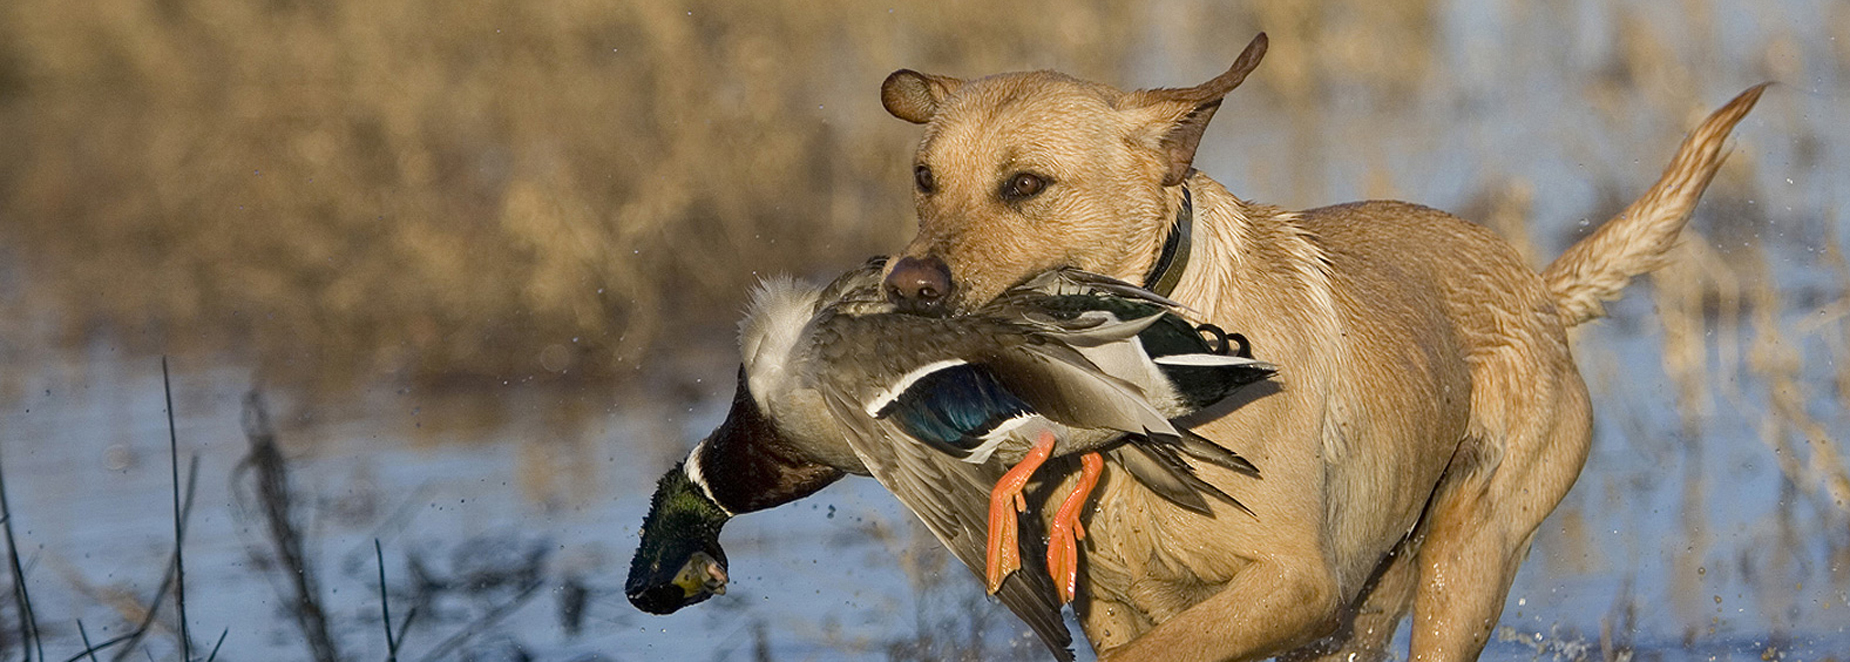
1024	172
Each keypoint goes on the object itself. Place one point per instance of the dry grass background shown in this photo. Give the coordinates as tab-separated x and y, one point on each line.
495	190
488	189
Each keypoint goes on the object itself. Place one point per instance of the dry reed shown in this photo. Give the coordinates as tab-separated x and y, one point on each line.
498	190
486	191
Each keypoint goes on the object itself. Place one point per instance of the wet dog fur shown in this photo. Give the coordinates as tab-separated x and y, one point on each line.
1429	413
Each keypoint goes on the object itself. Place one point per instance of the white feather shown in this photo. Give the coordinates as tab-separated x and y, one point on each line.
774	321
891	393
698	477
994	438
1204	360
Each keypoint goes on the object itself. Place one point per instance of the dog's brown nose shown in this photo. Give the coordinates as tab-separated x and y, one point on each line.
919	285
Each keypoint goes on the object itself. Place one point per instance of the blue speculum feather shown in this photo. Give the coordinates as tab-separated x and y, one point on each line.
951	409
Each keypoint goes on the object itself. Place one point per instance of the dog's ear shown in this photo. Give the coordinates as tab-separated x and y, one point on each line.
1181	115
913	96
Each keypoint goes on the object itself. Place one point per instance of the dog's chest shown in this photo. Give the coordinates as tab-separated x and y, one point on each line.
1142	555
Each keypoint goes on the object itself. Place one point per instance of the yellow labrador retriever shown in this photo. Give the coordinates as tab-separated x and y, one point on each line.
1428	415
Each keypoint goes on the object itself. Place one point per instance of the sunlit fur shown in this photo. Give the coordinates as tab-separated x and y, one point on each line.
1427	378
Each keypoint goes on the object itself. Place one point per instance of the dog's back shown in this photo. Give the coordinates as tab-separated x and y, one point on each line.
1428	413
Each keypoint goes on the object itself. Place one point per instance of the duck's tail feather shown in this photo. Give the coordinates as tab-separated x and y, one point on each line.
1214	361
1165	474
1201	448
1156	463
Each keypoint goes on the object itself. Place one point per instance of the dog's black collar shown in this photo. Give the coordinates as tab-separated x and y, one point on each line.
1174	259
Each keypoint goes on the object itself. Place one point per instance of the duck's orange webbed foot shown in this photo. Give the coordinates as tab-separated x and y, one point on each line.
1004	501
1063	536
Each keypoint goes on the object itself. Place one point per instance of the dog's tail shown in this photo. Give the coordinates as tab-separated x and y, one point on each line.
1636	241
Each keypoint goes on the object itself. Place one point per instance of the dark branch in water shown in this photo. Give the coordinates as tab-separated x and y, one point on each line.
28	621
88	649
167	581
480	625
276	499
385	605
179	528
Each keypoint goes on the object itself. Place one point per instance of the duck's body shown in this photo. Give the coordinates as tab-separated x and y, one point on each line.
1087	358
836	380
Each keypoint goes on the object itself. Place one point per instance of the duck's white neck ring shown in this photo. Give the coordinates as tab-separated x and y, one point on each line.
1167	272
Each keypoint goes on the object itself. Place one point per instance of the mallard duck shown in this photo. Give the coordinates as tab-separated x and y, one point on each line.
1055	367
836	380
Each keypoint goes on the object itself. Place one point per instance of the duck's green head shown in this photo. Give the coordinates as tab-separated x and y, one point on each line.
679	562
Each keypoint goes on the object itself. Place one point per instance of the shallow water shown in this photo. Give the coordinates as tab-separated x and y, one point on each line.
844	574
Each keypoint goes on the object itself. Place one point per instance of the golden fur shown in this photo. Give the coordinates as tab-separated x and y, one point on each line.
1429	413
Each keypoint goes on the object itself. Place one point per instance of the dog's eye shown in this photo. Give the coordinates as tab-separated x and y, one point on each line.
921	176
1022	186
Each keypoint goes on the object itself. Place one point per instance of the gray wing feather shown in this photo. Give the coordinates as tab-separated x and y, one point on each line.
952	498
1093	328
1066	281
1061	384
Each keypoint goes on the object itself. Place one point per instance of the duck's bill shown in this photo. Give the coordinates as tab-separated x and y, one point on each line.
701	577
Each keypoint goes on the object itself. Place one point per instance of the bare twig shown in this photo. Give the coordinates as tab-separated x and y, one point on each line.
88	649
480	625
28	621
221	642
385	605
167	580
410	615
179	527
277	500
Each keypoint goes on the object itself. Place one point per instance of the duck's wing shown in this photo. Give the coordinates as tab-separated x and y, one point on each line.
952	498
962	410
1152	347
1060	383
859	284
956	407
1077	281
1097	372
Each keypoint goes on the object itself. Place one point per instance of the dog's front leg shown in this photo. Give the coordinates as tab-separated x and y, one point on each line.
1272	606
